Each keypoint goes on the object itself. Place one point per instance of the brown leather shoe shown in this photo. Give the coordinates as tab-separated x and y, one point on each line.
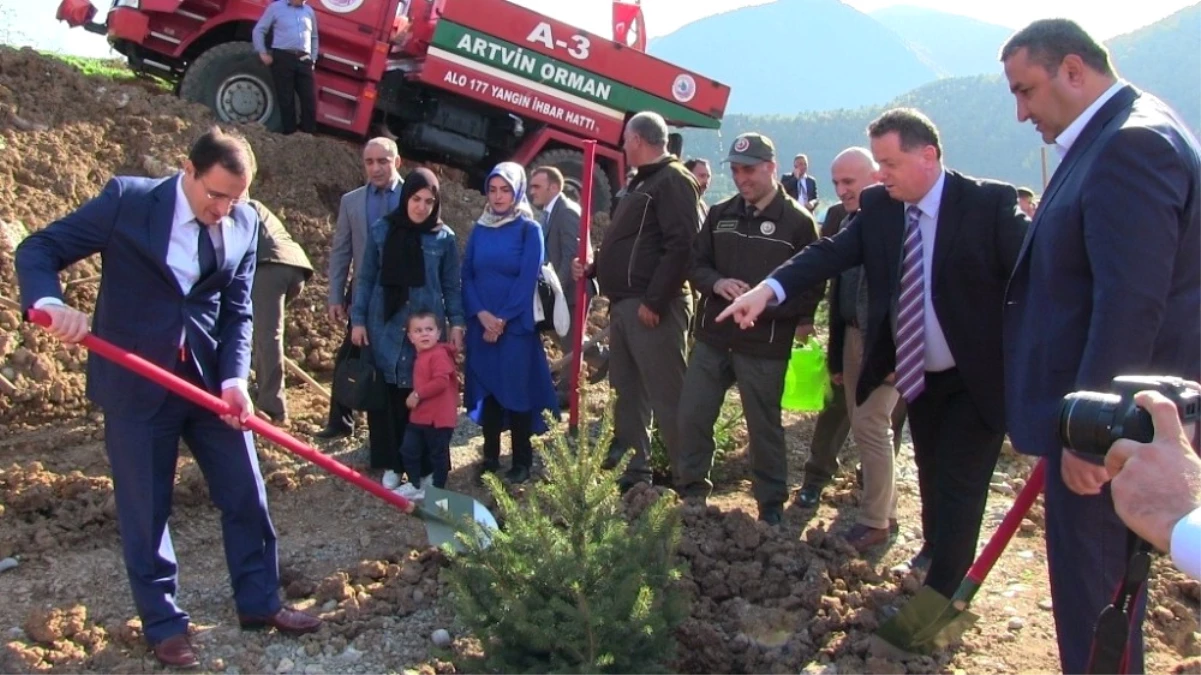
861	537
176	652
286	620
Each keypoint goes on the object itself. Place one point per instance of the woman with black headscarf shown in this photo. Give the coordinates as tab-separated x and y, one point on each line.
410	264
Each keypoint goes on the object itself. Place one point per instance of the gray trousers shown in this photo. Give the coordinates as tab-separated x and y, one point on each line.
646	371
711	373
275	286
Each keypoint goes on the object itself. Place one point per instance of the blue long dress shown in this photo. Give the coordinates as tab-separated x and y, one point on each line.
500	275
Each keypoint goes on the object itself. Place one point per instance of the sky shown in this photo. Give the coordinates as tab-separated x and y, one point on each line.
31	22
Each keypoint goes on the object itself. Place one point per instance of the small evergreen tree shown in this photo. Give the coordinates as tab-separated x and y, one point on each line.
569	585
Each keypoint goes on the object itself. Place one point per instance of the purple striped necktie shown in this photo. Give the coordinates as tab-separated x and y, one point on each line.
911	313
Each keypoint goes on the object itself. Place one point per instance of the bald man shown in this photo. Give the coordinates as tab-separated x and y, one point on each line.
359	208
872	423
852	171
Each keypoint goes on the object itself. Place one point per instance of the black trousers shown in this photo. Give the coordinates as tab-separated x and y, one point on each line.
386	434
294	77
521	428
956	453
341	417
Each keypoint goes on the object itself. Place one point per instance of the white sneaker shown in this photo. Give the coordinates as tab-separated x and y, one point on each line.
391	481
409	492
427	480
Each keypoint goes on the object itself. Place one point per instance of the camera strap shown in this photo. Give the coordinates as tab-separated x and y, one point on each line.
1111	636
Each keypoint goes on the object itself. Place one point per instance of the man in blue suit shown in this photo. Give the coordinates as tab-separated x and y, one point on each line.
1107	283
178	261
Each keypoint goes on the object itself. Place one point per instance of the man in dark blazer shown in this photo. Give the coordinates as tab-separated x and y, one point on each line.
357	210
800	178
936	248
179	259
1108	283
560	219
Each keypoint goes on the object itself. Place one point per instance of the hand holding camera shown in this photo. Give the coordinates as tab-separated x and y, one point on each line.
1155	484
1143	429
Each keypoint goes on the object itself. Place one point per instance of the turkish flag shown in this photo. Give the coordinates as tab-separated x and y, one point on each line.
628	26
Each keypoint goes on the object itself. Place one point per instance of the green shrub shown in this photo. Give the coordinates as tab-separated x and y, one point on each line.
569	584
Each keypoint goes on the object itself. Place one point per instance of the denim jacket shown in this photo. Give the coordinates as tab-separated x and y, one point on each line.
442	295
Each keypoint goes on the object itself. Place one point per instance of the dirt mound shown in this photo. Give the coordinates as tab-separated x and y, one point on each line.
45	511
764	601
65	134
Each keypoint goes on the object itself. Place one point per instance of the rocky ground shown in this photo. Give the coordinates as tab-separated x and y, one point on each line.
787	599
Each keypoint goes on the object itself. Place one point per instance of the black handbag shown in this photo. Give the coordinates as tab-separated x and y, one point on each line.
358	384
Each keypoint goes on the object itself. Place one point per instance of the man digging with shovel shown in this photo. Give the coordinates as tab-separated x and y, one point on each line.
179	257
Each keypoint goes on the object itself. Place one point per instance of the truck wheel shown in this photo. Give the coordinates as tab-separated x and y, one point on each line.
571	163
231	80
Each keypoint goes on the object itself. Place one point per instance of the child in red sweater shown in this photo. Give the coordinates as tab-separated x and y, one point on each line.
434	403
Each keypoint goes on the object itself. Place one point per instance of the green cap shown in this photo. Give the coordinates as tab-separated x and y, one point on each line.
751	149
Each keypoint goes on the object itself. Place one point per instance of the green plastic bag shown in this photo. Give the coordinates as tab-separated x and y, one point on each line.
807	381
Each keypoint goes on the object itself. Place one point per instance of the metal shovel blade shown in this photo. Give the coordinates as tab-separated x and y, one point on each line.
926	624
447	513
930	621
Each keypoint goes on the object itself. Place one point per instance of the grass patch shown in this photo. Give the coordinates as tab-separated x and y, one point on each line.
112	68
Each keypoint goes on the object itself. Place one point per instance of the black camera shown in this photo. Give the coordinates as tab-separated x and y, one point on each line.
1090	422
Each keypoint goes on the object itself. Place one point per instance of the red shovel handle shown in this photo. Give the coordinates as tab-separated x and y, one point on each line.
206	400
1000	539
579	322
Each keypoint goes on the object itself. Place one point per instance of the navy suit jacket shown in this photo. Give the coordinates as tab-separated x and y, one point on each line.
980	229
793	188
1108	281
140	306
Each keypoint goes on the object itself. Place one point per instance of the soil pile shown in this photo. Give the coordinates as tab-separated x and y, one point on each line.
63	135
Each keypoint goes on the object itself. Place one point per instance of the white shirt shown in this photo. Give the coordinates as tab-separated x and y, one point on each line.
183	255
1065	139
183	252
938	354
802	189
1186	544
550	206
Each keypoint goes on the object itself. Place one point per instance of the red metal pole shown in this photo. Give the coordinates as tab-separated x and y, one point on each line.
204	399
580	320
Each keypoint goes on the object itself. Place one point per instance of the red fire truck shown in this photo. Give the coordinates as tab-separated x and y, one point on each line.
465	83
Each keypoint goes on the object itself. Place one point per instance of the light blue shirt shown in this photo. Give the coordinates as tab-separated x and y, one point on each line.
382	201
295	28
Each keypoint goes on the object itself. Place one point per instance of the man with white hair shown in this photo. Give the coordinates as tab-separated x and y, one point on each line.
643	267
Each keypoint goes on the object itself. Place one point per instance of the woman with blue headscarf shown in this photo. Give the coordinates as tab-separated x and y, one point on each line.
507	383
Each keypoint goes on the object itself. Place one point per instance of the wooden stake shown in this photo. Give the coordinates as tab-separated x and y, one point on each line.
308	379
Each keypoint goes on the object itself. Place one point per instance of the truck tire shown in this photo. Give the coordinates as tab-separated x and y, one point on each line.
571	163
231	80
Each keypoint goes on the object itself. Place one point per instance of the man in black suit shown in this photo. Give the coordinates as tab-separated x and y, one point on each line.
1108	283
560	220
937	248
800	177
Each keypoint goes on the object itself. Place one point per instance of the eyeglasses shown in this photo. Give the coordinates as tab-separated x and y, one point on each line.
220	196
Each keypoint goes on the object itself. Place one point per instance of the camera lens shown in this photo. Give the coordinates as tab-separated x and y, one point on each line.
1086	421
